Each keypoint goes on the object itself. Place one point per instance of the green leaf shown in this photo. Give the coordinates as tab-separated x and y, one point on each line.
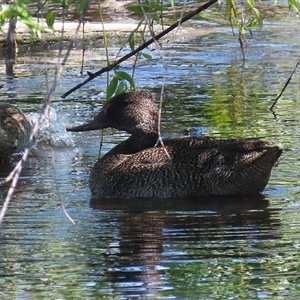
125	76
122	88
251	22
228	6
158	7
156	17
131	40
147	56
50	18
111	89
81	6
250	3
294	5
135	9
231	9
258	17
243	30
22	12
6	13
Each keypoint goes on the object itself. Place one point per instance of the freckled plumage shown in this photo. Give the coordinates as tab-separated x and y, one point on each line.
186	167
15	129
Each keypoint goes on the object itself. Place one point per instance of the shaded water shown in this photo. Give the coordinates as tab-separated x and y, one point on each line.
228	248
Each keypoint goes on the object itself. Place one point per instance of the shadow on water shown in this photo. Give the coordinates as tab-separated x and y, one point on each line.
186	204
196	230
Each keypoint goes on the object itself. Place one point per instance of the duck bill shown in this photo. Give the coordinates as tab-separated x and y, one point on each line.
100	122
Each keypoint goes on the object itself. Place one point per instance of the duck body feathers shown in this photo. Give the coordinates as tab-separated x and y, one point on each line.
187	167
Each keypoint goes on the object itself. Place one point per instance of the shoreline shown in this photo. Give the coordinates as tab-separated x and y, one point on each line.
93	31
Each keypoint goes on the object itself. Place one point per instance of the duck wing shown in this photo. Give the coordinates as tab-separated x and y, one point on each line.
207	151
196	167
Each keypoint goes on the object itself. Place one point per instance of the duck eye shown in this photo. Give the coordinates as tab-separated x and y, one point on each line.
125	103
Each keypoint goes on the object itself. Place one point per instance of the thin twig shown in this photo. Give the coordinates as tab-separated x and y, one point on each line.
101	145
105	41
157	46
17	171
159	140
58	194
285	86
83	47
140	48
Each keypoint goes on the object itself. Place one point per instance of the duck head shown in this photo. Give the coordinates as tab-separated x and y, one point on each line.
134	112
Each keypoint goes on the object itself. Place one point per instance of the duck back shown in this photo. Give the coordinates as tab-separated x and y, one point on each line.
187	167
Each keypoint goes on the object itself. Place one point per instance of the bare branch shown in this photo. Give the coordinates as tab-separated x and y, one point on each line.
285	86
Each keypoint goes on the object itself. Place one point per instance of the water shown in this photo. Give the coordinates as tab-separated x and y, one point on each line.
231	248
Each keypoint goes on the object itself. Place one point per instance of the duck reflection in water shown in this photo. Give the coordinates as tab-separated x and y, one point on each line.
157	237
184	167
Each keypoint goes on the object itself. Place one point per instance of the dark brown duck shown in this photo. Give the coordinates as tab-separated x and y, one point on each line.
15	130
187	167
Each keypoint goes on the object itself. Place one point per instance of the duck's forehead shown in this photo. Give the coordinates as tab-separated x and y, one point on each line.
112	105
131	97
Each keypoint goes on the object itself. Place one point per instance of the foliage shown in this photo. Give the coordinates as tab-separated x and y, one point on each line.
150	10
293	4
151	7
119	84
238	19
20	9
121	79
244	16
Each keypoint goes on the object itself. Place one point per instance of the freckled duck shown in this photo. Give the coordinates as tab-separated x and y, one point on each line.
194	166
15	129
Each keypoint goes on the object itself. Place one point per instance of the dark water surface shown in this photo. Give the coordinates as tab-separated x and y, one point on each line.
228	248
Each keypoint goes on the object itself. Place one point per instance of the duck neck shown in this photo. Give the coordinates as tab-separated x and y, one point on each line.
135	143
